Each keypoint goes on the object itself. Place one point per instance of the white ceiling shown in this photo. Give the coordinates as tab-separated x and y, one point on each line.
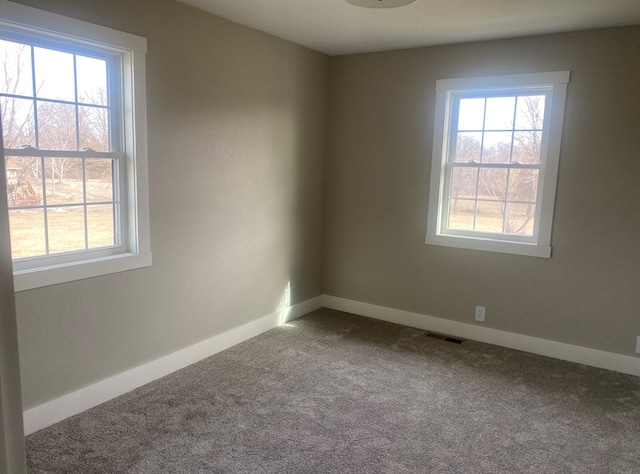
336	27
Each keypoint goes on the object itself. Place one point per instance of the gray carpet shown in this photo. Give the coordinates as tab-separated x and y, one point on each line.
337	393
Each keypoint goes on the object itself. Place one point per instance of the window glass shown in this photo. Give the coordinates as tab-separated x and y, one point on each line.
50	191
499	189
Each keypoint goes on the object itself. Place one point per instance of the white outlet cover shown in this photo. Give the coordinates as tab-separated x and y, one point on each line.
481	313
638	344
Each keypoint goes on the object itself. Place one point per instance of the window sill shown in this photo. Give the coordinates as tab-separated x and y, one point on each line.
489	245
53	275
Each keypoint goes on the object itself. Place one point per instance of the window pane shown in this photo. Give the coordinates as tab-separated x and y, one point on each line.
530	112
57	126
461	214
492	184
94	128
463	183
471	114
66	229
523	185
468	147
54	74
527	147
100	230
18	126
92	80
496	147
63	181
24	181
500	112
27	233
489	216
520	218
16	64
99	175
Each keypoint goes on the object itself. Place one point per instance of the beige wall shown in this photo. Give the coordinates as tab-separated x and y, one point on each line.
378	169
237	160
236	137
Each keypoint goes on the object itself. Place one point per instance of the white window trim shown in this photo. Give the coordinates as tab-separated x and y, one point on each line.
548	179
133	49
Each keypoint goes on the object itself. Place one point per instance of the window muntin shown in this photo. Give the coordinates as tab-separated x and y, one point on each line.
111	211
495	160
62	156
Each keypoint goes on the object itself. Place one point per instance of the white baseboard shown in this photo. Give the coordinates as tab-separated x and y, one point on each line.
56	410
558	350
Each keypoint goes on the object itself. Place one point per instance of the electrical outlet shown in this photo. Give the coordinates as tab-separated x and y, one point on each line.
481	313
638	344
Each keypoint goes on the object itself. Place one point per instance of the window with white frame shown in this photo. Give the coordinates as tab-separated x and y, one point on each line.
72	99
495	162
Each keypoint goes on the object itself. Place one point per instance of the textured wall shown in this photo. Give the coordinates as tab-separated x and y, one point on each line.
236	137
380	139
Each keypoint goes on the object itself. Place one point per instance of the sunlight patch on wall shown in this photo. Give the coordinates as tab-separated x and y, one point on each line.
284	309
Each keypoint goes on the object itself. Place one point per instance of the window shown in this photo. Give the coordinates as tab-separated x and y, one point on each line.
72	99
495	162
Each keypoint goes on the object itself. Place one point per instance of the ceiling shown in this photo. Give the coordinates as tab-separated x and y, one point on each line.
336	27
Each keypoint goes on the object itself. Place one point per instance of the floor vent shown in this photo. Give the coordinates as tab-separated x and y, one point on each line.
443	337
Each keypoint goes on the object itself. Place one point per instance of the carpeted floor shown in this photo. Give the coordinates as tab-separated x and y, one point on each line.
337	393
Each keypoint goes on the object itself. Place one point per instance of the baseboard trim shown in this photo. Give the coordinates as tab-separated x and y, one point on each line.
56	410
558	350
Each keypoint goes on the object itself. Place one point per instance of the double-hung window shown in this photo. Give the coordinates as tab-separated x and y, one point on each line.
495	162
74	136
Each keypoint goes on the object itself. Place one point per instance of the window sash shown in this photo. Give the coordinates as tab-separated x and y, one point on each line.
119	232
453	110
114	106
447	198
30	151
